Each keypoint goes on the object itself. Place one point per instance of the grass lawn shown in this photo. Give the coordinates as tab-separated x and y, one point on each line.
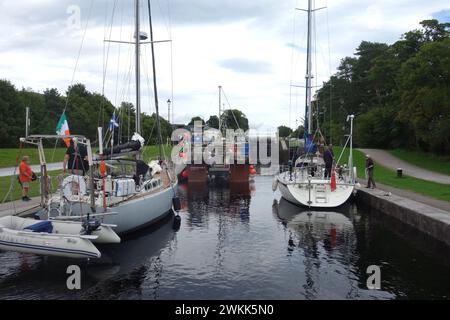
8	156
33	191
150	152
389	177
423	160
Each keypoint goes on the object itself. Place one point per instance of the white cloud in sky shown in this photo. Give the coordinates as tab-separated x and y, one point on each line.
248	47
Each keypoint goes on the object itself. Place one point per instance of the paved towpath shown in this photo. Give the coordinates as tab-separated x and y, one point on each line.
4	172
389	161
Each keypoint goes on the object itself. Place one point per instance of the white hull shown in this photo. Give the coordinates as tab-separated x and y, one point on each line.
14	238
133	214
319	196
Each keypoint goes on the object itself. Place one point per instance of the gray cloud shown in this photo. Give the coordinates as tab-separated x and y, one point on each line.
246	65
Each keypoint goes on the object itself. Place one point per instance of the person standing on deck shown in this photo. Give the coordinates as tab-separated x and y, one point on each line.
369	172
328	158
25	177
75	159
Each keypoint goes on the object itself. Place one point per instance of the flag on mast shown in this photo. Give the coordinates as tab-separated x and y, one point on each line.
113	122
62	128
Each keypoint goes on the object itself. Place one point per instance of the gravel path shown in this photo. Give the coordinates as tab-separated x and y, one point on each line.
389	161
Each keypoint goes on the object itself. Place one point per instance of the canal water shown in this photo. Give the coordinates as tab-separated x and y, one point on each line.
243	242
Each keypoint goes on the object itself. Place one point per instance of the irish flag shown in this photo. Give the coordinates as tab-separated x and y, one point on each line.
62	128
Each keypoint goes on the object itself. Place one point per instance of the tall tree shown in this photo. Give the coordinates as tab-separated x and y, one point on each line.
197	118
234	119
213	122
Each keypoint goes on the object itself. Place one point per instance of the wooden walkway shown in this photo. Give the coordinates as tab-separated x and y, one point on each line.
19	207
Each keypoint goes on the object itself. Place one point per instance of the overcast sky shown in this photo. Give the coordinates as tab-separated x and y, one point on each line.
254	49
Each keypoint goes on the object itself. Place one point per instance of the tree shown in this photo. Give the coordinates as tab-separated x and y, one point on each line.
234	119
197	118
299	132
425	98
284	131
213	122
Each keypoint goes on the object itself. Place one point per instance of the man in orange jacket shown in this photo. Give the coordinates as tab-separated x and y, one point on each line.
25	176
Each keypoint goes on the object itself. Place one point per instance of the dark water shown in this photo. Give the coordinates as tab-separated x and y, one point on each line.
246	244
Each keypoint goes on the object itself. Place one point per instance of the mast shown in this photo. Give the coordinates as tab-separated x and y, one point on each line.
308	113
158	126
138	80
220	108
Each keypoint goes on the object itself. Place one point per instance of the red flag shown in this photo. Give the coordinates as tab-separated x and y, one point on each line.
333	180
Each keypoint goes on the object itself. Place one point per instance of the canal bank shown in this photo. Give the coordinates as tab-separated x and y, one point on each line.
428	219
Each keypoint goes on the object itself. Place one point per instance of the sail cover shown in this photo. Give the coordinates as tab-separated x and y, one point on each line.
310	146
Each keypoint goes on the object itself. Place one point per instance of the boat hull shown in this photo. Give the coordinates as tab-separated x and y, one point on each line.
328	199
133	214
42	243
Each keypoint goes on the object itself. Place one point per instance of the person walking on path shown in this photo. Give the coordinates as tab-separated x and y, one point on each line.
369	172
328	158
25	176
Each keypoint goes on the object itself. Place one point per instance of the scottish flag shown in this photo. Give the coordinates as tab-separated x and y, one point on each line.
113	122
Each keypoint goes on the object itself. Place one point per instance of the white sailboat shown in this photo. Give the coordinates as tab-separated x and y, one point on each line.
121	189
305	182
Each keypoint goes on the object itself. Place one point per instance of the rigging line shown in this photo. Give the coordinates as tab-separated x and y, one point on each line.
315	66
105	66
171	55
101	119
292	70
166	24
329	73
154	79
229	106
118	58
79	54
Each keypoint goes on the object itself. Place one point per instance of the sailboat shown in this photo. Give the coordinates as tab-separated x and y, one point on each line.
121	189
304	183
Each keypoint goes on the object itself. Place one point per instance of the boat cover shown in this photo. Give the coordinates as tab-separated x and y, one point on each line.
42	226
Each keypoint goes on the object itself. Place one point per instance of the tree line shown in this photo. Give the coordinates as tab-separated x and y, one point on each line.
399	93
85	112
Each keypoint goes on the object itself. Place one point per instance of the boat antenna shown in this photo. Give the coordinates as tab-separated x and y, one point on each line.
158	126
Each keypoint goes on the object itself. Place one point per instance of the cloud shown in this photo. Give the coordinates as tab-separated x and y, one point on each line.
245	65
253	48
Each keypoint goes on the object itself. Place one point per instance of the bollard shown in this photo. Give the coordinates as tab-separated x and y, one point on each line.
399	172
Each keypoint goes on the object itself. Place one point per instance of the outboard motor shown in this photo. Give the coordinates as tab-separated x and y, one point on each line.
90	225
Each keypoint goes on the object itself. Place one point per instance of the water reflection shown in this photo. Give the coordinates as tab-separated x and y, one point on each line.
327	240
235	243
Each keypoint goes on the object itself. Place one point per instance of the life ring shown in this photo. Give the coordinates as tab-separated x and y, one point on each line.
73	185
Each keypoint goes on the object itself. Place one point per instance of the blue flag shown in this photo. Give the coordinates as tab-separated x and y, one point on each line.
113	122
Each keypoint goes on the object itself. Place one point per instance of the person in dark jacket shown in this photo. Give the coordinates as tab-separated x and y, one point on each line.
369	172
75	159
328	158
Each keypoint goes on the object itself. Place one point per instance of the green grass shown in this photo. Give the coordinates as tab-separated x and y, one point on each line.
388	177
150	152
8	156
424	160
5	183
